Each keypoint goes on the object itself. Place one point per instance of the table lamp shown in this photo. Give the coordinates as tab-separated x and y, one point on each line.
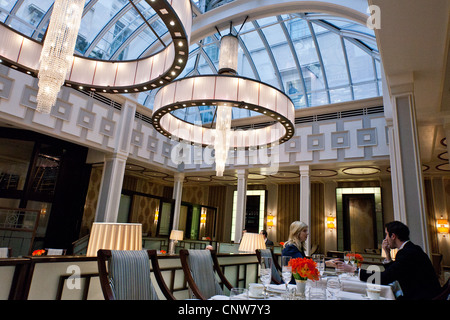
175	236
114	236
252	241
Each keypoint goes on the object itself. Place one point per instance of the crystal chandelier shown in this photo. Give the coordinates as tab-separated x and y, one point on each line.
227	65
224	91
57	52
222	137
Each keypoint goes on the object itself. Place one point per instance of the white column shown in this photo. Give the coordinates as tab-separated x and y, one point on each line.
406	167
305	201
241	204
114	168
177	193
111	188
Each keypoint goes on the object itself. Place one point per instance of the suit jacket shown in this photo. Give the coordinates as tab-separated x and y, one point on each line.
269	242
414	272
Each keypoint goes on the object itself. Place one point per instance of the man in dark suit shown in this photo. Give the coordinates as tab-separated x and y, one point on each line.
266	240
412	267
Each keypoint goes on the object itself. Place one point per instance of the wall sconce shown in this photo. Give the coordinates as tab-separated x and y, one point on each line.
270	221
203	216
156	215
331	223
442	227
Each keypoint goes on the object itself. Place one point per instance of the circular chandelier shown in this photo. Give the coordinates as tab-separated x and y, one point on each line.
224	92
227	91
94	75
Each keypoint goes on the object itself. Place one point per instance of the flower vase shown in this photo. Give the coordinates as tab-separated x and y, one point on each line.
301	287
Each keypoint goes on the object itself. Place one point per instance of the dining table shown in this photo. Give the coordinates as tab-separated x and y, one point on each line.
351	288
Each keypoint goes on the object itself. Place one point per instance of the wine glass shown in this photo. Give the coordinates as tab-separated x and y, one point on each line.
319	259
286	270
265	272
347	257
333	286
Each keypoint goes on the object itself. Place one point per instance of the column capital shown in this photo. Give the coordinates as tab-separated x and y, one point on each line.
401	84
304	170
242	173
116	155
178	176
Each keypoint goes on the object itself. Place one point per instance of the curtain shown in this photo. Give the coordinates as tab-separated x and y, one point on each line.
288	211
217	198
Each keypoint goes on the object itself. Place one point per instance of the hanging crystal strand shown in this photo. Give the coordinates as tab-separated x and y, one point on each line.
228	60
57	52
222	138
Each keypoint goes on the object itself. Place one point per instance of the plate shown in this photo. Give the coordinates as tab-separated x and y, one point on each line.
261	296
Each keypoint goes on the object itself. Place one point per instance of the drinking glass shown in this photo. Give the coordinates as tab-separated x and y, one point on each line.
317	290
238	294
346	257
319	259
265	272
333	286
286	270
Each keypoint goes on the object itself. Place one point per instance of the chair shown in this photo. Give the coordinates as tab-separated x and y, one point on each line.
55	252
276	269
129	275
444	295
198	267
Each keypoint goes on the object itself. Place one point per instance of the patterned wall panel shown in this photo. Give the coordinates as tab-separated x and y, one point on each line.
96	123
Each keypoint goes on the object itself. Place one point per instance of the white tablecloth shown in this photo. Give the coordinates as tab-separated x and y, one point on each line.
352	289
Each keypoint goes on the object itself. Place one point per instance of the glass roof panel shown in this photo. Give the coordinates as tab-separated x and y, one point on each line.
332	53
315	58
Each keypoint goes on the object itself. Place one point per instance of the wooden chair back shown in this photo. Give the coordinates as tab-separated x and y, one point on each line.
103	256
184	258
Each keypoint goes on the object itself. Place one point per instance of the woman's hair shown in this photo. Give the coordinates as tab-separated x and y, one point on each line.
294	231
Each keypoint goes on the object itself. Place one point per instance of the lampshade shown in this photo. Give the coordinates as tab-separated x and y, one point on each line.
331	222
252	241
228	58
176	235
442	226
114	236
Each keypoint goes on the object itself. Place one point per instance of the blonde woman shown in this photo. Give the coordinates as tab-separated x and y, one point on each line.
295	246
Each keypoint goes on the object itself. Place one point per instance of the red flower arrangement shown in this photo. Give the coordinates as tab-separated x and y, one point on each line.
38	252
282	244
355	258
304	269
163	252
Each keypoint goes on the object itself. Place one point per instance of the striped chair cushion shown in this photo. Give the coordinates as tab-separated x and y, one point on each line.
202	270
129	273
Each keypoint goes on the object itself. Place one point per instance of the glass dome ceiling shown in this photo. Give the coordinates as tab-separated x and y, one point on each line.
316	59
